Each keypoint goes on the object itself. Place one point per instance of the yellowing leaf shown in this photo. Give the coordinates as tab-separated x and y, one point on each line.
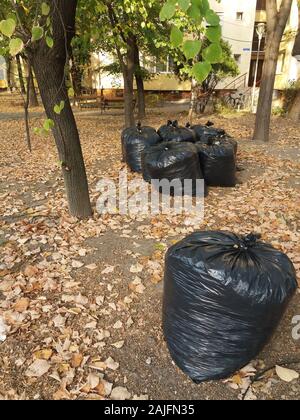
15	46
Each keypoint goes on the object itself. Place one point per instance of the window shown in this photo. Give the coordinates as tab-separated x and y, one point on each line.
240	16
238	58
154	65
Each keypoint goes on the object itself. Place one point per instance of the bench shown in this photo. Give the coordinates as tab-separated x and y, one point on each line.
114	103
88	101
100	102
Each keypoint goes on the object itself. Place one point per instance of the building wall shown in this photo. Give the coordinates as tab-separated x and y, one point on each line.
288	69
237	29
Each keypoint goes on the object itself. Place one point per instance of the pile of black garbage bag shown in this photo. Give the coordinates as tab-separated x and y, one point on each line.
178	152
224	296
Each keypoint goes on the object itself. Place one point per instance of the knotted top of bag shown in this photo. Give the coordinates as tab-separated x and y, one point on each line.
243	263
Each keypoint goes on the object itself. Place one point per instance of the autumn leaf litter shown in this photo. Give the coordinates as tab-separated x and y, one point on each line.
71	301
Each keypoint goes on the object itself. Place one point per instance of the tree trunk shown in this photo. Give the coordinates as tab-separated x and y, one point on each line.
128	74
8	73
276	23
193	104
33	99
49	66
20	74
294	112
76	74
139	83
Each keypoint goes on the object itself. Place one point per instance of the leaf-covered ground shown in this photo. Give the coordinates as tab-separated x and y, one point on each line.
80	301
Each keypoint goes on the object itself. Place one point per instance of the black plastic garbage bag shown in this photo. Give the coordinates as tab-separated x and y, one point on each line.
172	161
224	296
203	133
173	132
218	163
134	141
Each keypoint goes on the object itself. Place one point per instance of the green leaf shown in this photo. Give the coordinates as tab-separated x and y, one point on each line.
45	9
59	107
71	92
7	27
176	37
204	6
184	4
15	46
48	125
194	13
49	41
37	33
213	53
167	11
214	33
201	71
212	18
191	48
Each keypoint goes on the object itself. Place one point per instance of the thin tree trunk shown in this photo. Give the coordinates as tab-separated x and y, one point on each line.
33	99
193	103
128	74
276	23
294	112
20	74
8	72
139	83
76	74
127	66
49	68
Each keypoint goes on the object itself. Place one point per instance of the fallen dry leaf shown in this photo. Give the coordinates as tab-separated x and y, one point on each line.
76	360
109	269
120	393
286	375
37	369
22	305
44	354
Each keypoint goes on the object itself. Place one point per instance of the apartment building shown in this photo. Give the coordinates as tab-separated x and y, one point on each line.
288	66
239	20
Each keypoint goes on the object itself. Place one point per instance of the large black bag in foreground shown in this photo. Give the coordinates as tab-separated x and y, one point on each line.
172	161
224	296
218	163
173	132
134	141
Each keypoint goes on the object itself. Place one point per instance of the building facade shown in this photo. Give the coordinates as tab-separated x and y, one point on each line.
239	20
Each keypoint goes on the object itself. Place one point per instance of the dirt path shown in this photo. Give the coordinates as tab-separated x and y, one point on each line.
85	297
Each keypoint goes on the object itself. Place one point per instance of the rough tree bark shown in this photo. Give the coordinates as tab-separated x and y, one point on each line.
127	65
76	74
33	99
8	72
139	83
294	112
128	75
193	103
276	23
49	66
20	74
